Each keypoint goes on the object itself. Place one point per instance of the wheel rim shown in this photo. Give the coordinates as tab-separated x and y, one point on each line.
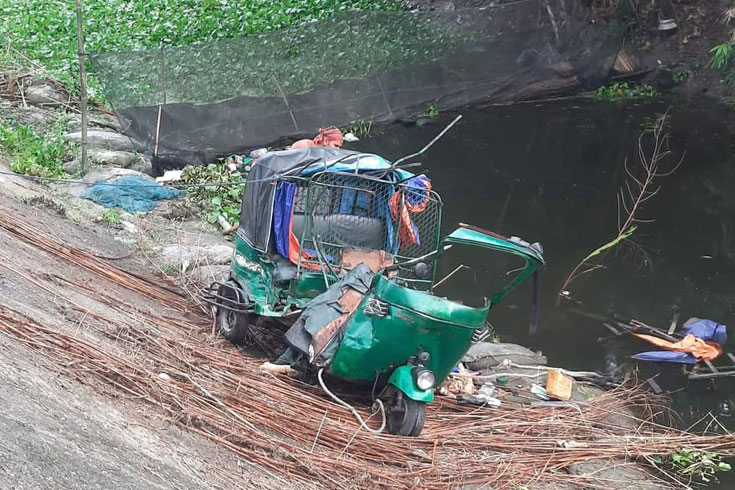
227	320
227	317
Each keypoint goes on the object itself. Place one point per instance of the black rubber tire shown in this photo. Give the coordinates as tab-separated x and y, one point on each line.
404	416
232	325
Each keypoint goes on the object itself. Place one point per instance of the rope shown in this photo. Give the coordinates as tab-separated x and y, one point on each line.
35	178
351	408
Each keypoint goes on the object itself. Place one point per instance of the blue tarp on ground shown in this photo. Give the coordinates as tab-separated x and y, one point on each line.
132	193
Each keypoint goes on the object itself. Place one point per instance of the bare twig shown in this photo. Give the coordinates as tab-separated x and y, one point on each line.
635	191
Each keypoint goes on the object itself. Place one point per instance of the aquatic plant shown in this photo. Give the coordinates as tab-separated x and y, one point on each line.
217	201
431	111
623	90
638	187
703	465
360	128
46	31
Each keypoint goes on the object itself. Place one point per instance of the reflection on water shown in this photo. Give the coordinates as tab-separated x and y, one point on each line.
549	172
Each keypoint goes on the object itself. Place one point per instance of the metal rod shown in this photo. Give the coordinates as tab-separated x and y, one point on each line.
285	101
436	138
82	83
158	131
456	269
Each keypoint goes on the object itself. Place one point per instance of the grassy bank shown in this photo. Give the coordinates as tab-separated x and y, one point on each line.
45	30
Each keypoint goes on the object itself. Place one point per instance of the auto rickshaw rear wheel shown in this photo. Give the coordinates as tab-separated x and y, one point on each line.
233	325
403	416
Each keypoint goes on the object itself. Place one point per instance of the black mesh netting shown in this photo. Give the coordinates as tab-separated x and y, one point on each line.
196	102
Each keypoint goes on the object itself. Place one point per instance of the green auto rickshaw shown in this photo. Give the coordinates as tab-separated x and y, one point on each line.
346	247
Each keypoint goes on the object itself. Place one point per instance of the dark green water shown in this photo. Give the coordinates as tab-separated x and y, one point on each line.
549	172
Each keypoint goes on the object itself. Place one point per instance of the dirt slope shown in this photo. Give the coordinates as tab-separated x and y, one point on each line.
57	433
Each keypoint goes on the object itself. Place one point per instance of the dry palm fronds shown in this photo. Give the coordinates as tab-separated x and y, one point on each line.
168	359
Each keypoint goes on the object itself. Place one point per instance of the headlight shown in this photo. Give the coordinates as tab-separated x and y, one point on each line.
424	378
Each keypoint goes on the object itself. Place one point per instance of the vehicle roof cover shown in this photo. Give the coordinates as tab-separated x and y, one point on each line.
257	201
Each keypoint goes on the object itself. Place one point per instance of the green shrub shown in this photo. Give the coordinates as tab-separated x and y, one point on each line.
112	217
215	200
723	58
32	154
622	90
680	76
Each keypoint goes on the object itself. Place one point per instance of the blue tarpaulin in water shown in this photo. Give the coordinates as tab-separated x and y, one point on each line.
132	193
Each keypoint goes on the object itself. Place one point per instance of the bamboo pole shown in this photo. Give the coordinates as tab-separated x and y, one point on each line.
82	82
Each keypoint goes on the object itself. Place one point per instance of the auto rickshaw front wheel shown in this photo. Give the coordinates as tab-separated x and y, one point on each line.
403	416
232	324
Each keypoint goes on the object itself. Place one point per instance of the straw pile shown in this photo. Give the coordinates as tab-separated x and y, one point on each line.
168	358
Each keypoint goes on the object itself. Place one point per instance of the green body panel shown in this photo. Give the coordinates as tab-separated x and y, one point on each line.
373	343
418	321
533	257
425	304
253	272
402	379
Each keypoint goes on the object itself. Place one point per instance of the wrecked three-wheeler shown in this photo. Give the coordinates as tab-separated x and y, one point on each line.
348	245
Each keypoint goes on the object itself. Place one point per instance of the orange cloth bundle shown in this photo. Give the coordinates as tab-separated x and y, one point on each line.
699	348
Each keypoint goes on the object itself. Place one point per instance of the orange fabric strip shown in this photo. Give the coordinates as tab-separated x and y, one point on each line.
691	344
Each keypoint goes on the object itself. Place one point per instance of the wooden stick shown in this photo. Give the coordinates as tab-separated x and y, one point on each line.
82	83
158	129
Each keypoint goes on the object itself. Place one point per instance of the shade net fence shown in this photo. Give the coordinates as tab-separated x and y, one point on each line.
193	103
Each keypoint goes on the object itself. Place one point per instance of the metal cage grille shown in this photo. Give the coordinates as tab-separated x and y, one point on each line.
350	211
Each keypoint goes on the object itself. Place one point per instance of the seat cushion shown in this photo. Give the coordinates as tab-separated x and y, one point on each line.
344	230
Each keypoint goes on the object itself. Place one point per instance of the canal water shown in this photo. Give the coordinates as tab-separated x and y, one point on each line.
549	172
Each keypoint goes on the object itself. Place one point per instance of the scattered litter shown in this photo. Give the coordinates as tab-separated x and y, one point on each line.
539	391
558	386
351	138
134	194
170	176
486	390
462	384
223	222
479	400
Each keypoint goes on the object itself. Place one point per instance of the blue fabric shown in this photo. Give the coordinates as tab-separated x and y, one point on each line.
366	162
381	209
666	356
132	193
707	330
417	191
354	202
282	205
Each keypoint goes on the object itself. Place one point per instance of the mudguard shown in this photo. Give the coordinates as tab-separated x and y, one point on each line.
402	379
